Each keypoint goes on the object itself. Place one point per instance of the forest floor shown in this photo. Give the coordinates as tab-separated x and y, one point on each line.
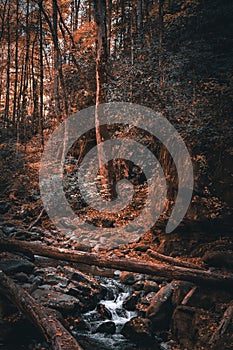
206	243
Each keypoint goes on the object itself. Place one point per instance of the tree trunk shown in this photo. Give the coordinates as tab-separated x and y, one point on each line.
196	276
8	80
41	113
105	172
16	65
171	260
53	331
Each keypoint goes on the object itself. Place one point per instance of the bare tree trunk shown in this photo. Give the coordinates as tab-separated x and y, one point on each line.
16	65
160	58
109	24
25	76
106	173
8	80
41	116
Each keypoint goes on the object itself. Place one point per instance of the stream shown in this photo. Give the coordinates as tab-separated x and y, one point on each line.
113	302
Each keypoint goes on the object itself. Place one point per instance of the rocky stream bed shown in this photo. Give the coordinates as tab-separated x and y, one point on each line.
110	309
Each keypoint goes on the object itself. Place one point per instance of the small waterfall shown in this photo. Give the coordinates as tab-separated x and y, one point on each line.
113	302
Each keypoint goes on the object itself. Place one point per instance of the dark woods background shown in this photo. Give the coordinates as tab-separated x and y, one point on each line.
174	56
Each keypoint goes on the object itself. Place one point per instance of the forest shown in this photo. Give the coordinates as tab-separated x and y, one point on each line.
116	174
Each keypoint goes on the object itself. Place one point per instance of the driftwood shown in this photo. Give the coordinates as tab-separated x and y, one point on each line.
173	261
221	329
54	332
196	276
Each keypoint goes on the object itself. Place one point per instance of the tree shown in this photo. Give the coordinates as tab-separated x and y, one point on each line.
106	171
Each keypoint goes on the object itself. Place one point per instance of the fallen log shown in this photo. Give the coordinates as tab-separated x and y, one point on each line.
225	321
195	276
173	261
54	332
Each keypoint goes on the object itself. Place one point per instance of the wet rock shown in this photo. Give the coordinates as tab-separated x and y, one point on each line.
150	286
11	263
108	327
81	325
104	312
138	285
128	278
55	300
121	312
131	301
139	329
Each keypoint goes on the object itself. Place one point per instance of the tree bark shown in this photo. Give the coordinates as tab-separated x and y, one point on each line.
54	332
105	172
172	261
196	276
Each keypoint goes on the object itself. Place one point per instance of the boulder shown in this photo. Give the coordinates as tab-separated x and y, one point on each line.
131	301
127	278
108	327
12	263
139	329
150	286
104	312
66	304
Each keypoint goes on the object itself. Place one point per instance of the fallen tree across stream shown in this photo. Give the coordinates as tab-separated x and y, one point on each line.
52	329
201	277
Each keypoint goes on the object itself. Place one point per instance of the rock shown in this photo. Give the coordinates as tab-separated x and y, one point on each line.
150	286
104	312
138	285
131	301
81	325
139	329
108	327
219	258
160	308
53	279
21	277
181	288
145	301
183	326
55	300
128	277
11	263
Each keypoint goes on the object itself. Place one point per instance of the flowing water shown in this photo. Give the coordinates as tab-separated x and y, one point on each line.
113	302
